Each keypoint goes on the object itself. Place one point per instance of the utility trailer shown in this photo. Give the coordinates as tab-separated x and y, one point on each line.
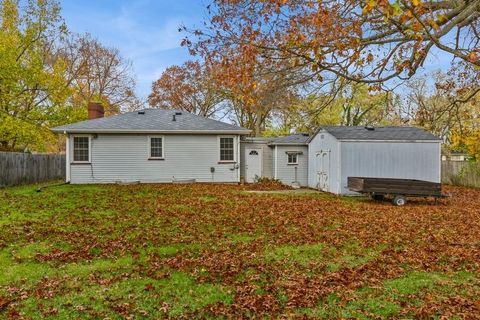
399	189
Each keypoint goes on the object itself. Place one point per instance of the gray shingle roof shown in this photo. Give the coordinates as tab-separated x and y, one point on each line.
299	138
154	121
379	133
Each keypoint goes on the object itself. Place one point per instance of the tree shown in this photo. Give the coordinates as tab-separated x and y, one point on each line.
188	87
98	73
439	107
352	106
48	75
33	91
370	41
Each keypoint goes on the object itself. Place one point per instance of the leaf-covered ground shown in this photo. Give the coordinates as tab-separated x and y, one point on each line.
213	251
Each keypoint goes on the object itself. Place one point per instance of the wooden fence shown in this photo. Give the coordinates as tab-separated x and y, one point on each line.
21	168
461	173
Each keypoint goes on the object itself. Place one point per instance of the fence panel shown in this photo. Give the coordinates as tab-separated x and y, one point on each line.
461	173
21	168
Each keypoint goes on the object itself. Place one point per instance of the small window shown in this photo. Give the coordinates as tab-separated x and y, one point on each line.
227	150
292	158
156	147
81	152
253	153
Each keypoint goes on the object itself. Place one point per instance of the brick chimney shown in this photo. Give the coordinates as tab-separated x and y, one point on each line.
95	110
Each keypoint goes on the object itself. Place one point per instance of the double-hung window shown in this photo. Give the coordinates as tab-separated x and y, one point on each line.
156	148
227	149
81	149
292	158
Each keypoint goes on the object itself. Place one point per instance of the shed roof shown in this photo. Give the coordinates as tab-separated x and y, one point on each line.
152	121
296	139
380	133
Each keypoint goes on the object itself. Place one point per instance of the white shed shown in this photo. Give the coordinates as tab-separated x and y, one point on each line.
336	153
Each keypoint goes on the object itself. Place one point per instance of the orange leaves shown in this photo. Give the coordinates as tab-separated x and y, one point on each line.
369	6
473	56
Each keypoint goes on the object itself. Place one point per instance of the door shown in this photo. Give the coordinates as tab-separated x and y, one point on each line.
253	164
323	169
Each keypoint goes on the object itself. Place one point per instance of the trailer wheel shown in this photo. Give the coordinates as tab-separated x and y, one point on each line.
399	200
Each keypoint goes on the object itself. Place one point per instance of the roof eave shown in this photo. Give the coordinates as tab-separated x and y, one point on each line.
289	144
389	140
116	131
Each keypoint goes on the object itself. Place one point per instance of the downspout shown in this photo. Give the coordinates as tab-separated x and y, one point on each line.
238	159
67	157
275	163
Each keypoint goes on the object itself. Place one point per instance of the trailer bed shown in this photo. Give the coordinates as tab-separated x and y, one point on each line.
399	188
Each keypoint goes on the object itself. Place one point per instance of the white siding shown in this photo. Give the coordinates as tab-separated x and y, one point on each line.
286	172
267	157
324	141
118	157
404	160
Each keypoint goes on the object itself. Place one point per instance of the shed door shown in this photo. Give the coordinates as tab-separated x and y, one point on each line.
323	169
253	164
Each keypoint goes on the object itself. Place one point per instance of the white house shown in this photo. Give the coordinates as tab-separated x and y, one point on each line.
152	145
156	145
281	158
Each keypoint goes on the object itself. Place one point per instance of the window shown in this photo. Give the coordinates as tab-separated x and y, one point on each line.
292	158
227	149
156	147
253	153
81	152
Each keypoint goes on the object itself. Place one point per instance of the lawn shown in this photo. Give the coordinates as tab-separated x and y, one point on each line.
214	251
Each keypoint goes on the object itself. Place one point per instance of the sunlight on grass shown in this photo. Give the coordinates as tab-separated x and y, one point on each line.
301	254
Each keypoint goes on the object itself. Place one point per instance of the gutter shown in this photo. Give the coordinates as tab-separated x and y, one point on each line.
73	131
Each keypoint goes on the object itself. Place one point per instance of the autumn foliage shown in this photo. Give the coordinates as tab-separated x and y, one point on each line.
203	251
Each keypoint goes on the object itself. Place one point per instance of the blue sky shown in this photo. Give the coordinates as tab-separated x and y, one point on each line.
145	31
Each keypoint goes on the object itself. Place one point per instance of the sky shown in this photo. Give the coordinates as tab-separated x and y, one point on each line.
145	31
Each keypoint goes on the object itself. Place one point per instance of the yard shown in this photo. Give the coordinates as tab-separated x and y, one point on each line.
211	251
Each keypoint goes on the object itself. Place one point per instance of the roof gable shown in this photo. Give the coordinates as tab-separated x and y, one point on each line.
154	121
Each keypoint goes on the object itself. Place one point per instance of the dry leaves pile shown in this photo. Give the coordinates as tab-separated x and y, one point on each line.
312	255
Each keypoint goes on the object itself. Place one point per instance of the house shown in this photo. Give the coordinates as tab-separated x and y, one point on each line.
456	156
325	160
151	145
156	145
282	158
335	153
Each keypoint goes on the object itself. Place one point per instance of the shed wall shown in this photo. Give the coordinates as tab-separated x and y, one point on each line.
118	157
404	160
324	141
286	172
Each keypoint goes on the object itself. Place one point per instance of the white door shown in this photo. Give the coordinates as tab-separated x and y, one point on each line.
323	169
253	164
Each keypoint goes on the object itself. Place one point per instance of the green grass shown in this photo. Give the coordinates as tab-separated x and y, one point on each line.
208	251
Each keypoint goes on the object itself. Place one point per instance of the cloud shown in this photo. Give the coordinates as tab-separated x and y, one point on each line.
145	31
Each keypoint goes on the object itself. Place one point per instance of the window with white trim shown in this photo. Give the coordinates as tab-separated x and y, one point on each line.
81	149
292	158
227	149
156	147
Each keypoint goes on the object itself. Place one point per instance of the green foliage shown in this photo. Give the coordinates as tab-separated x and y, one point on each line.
34	91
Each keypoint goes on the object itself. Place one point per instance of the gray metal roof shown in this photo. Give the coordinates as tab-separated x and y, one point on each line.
299	138
379	133
152	121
